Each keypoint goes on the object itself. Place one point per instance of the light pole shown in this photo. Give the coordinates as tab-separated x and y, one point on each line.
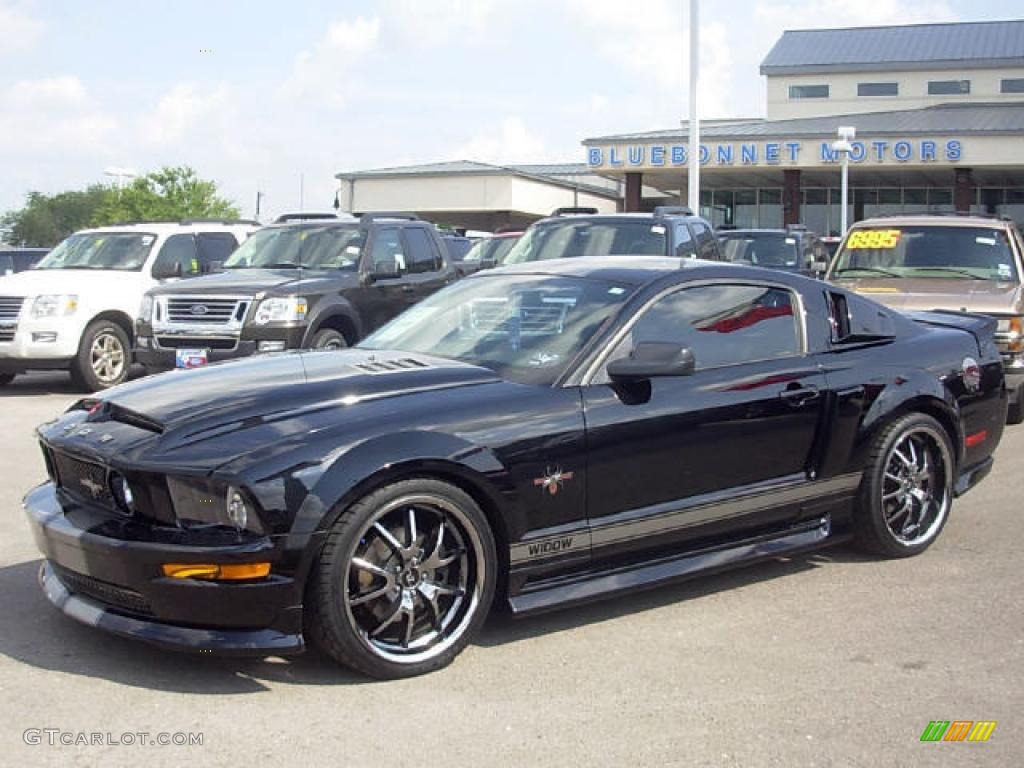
120	174
693	180
842	145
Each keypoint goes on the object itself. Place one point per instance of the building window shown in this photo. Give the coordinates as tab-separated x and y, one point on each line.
808	91
948	87
878	89
1012	85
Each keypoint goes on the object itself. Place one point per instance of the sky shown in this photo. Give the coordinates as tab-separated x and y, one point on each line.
278	97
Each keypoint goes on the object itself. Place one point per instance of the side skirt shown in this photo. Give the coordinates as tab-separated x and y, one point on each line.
560	593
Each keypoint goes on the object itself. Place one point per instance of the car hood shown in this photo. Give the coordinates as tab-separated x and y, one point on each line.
252	281
35	282
923	293
174	413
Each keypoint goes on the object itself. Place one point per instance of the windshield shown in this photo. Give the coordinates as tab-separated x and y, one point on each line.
589	237
763	249
490	249
327	247
980	253
526	328
124	252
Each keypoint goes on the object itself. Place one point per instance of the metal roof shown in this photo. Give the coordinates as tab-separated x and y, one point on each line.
551	173
943	119
913	46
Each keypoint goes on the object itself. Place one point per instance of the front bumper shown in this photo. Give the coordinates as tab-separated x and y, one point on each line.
150	352
42	344
115	583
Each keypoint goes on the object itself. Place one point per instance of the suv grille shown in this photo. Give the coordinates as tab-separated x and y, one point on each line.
108	594
198	310
7	334
83	479
10	307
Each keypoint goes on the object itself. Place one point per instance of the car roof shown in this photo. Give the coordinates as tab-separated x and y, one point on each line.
615	217
925	220
163	226
762	231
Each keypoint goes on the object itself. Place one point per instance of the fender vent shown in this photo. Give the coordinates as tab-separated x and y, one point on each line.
390	366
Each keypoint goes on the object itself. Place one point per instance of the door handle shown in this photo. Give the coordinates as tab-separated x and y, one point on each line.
407	289
800	396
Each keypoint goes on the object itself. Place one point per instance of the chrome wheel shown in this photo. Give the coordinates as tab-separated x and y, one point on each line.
916	486
107	357
414	580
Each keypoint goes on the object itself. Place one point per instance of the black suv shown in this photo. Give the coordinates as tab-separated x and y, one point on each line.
307	281
793	249
668	231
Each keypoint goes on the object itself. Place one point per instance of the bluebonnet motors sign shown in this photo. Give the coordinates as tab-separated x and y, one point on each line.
776	153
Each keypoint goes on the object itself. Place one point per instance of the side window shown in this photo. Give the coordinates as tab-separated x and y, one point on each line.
214	248
423	255
721	324
706	246
178	256
684	242
387	246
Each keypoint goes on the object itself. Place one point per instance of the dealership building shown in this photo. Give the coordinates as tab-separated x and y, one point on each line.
938	111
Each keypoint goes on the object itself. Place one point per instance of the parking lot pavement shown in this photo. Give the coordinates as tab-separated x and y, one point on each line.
829	659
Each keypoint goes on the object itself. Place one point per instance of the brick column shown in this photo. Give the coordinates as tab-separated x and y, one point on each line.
963	189
791	196
634	191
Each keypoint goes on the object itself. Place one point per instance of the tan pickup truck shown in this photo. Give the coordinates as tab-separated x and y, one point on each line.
958	263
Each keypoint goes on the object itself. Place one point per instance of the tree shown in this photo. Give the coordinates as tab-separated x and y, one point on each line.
47	219
170	194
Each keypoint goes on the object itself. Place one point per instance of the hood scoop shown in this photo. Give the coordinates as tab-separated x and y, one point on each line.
377	367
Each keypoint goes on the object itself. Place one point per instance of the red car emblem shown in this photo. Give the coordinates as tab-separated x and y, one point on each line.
553	480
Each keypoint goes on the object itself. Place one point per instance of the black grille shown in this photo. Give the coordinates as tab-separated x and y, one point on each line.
84	479
179	342
199	310
7	334
10	307
117	597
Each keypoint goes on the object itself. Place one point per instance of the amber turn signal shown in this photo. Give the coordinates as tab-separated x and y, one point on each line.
214	572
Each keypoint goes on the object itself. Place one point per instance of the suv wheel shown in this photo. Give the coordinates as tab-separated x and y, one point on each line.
103	357
404	580
6	378
1015	413
328	338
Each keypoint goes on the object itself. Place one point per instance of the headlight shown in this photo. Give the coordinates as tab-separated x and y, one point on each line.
200	502
146	308
1010	334
122	493
54	305
290	309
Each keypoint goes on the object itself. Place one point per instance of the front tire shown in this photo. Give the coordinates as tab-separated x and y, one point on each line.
404	580
1015	413
6	378
907	490
103	357
328	338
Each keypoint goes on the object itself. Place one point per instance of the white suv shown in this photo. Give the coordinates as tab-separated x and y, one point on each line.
76	309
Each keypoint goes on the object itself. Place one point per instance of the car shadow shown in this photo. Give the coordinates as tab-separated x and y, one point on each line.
38	383
32	632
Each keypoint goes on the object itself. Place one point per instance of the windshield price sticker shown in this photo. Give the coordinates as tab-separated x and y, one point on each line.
873	238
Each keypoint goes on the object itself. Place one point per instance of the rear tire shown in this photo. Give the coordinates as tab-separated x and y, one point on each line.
404	580
6	378
328	338
1015	413
907	490
104	357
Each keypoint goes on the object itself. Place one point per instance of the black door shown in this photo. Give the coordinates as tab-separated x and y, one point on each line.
387	297
424	262
686	460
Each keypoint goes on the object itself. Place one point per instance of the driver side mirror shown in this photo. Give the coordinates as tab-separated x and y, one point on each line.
167	270
650	359
386	269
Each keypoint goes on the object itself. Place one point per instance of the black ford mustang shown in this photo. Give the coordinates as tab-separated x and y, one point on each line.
552	433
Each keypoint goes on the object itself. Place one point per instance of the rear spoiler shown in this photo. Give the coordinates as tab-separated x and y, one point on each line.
981	327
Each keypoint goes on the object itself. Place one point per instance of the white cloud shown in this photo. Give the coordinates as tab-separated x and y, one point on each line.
53	115
184	107
19	30
509	141
433	22
325	71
